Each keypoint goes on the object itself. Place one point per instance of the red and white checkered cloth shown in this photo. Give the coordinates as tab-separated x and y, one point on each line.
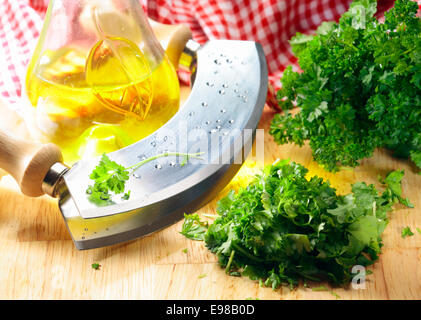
270	22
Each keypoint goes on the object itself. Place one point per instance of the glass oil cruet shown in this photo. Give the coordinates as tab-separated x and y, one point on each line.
98	80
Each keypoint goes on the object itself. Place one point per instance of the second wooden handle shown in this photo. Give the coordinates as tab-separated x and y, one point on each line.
173	39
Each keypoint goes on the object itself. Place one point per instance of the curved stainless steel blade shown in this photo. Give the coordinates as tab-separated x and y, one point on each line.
227	97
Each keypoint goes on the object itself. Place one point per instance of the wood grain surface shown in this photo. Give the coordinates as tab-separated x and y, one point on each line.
39	261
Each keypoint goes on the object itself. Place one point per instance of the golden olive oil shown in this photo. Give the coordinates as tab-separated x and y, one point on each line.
102	102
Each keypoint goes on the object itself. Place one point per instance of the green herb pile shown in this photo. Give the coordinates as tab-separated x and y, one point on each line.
359	89
285	227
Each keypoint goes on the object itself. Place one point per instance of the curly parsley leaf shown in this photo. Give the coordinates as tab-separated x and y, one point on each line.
96	266
360	88
393	182
108	176
193	228
406	232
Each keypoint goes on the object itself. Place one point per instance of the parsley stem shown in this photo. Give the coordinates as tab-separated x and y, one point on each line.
166	154
212	216
321	288
227	269
246	254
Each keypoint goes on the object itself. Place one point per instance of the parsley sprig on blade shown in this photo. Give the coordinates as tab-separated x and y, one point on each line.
111	177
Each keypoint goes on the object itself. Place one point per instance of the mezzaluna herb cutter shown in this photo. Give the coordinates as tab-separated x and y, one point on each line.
229	88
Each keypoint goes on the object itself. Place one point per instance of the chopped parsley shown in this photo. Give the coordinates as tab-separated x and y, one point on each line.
193	228
285	227
96	266
406	232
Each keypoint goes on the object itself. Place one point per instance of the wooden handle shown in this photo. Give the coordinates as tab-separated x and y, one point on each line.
173	39
27	162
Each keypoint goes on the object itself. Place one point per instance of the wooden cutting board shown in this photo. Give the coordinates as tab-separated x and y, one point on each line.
38	259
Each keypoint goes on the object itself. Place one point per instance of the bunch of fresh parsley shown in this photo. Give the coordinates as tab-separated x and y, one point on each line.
359	89
285	227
